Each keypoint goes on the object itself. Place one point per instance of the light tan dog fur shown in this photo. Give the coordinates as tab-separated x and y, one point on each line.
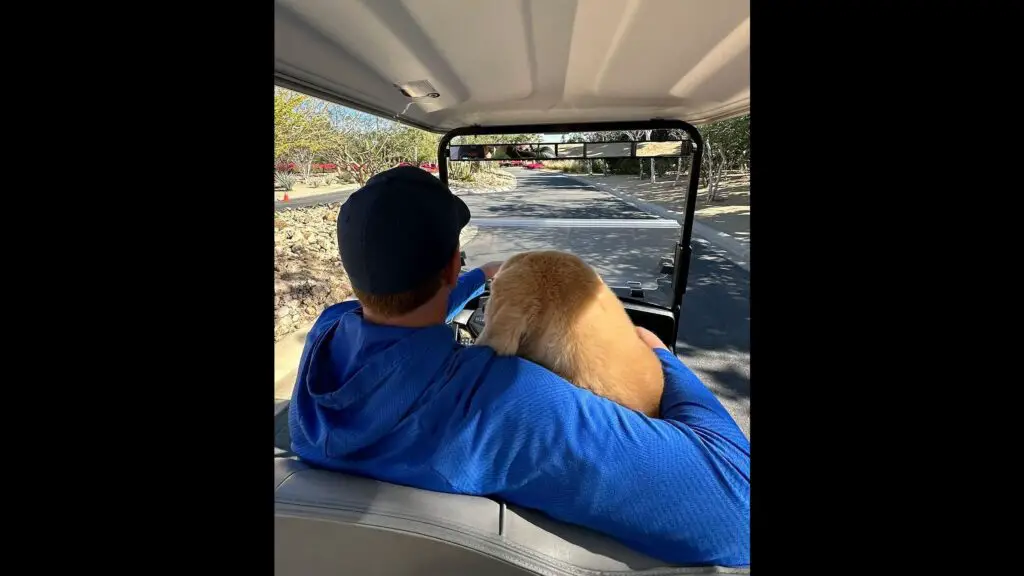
552	308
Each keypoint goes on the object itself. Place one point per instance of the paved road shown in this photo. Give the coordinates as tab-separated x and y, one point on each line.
554	211
550	195
313	200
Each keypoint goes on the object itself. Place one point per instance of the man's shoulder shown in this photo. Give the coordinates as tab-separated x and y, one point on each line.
328	318
505	364
507	375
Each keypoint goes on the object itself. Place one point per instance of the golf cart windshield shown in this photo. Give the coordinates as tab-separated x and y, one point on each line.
615	197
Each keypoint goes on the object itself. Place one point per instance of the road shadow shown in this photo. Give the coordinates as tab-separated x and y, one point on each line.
715	312
574	203
595	210
714	329
619	255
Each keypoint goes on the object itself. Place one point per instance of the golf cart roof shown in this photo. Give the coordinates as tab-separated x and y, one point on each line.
442	64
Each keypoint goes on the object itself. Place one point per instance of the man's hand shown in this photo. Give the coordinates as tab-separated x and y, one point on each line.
650	339
491	268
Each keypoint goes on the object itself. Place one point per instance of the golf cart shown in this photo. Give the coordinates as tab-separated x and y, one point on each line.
483	68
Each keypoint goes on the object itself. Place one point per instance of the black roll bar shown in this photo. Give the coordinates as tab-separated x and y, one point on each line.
683	251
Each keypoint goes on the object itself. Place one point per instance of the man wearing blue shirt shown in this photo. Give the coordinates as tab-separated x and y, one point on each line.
385	391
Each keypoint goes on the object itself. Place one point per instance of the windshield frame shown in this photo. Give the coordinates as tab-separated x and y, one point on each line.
683	251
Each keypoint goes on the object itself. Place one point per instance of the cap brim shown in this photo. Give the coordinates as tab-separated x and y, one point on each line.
462	210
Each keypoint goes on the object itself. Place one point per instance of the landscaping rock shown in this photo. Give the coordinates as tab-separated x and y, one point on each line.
308	275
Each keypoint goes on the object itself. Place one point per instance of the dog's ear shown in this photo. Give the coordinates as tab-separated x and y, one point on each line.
505	326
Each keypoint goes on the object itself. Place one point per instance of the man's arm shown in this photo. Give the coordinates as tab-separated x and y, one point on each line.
676	488
687	399
470	285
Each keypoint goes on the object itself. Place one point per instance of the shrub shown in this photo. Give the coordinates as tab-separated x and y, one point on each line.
285	180
459	170
568	166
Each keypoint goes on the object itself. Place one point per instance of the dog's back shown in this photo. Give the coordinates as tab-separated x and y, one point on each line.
552	308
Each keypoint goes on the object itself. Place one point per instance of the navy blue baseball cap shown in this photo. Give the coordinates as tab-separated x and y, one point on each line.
398	230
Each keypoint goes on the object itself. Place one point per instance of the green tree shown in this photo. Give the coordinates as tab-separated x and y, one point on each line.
726	146
302	128
288	121
415	145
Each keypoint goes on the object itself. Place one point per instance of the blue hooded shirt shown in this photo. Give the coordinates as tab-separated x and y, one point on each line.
412	406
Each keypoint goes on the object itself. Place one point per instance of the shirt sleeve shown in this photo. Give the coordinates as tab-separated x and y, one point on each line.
469	286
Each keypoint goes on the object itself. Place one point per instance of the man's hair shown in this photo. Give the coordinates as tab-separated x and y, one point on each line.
391	305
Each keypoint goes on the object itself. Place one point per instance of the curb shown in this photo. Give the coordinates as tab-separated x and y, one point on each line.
730	248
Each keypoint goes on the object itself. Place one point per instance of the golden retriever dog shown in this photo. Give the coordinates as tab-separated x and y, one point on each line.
552	308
